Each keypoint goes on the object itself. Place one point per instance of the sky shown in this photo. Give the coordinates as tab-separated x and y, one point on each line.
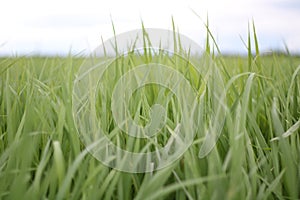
59	27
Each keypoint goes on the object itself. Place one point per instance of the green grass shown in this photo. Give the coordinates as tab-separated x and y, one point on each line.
256	157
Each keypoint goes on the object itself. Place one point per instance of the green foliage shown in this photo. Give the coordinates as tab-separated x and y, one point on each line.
256	157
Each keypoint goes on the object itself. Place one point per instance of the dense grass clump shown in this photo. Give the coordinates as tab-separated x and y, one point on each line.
256	157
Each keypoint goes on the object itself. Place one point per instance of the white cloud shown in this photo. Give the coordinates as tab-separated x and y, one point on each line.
54	26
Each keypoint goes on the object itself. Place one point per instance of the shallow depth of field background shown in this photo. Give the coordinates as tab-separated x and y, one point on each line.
59	27
250	48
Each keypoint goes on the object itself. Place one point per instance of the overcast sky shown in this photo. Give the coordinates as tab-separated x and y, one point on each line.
62	26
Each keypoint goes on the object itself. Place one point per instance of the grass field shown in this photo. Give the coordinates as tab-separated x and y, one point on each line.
256	157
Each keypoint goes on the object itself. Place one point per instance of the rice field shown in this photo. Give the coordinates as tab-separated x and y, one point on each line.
257	155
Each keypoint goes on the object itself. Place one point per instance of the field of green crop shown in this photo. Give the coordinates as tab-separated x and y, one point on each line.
256	157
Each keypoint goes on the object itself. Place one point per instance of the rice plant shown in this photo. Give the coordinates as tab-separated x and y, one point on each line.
257	155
